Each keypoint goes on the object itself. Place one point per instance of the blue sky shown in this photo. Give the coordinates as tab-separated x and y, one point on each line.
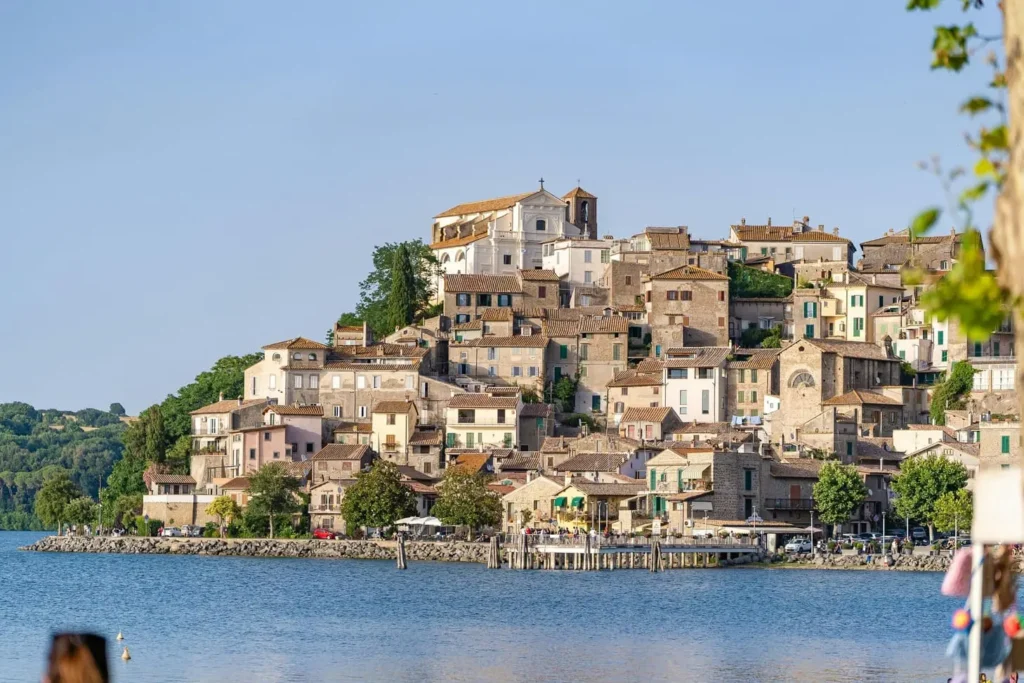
182	181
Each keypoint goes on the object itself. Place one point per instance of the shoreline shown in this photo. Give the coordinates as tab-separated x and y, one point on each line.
420	551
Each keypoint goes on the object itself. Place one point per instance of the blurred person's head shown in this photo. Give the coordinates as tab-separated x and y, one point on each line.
77	658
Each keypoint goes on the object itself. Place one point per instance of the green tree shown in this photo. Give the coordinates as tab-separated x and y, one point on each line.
463	499
952	392
116	409
377	499
564	391
225	509
954	510
401	303
921	482
80	511
122	510
752	282
52	500
147	437
375	289
272	491
838	492
349	320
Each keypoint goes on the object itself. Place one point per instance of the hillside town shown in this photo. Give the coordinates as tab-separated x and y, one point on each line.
658	380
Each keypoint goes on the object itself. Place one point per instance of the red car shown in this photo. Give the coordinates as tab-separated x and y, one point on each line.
324	533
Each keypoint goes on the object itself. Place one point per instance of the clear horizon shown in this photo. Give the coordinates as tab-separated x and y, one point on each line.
187	181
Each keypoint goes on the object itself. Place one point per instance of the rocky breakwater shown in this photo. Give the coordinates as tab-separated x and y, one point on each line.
454	551
907	563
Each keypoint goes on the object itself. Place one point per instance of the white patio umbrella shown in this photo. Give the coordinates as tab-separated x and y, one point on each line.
430	521
408	520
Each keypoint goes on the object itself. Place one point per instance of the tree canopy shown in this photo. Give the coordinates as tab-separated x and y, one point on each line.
954	510
922	482
225	509
53	499
464	499
272	491
378	498
951	393
839	492
751	282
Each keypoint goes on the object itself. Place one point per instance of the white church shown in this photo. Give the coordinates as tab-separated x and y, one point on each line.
500	236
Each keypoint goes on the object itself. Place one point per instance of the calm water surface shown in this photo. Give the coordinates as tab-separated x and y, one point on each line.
236	619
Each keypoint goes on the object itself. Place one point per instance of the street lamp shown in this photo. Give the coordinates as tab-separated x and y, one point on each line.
881	542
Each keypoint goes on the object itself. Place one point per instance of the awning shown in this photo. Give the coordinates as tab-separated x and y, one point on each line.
560	502
577	502
695	471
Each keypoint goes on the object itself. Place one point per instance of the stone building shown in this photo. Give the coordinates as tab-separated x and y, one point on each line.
812	371
215	450
540	288
687	306
731	481
577	262
890	252
504	361
789	244
481	420
533	500
536	423
339	462
633	389
625	286
467	296
759	313
649	424
753	375
603	346
553	452
1000	443
289	373
395	437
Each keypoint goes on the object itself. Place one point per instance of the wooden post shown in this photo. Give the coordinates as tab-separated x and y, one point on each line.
400	551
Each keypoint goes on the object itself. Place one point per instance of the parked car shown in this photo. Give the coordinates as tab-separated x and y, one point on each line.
919	533
849	538
171	531
899	533
324	533
798	545
957	541
868	537
192	531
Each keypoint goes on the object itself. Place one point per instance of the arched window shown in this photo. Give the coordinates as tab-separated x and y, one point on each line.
461	256
801	380
446	258
312	356
585	211
276	356
542	225
297	355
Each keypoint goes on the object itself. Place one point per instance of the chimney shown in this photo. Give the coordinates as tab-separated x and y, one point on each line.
821	227
769	221
220	396
239	400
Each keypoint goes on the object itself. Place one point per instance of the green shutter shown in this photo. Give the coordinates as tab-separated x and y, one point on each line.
849	448
941	336
563	351
809	331
451	439
654	479
753	375
945	356
679	479
1006	444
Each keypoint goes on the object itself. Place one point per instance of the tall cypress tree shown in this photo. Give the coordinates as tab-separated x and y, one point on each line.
402	298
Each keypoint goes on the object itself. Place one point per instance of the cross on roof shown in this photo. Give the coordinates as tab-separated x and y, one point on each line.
542	182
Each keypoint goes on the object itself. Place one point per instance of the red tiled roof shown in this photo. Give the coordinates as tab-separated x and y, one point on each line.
689	273
341	451
226	406
578	192
861	397
472	400
485	284
472	462
601	325
486	205
297	343
173	479
313	411
539	275
393	407
647	415
632	378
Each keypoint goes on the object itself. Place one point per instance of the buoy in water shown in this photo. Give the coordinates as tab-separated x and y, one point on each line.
126	655
120	636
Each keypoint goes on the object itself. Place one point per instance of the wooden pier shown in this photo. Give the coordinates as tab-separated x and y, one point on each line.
586	553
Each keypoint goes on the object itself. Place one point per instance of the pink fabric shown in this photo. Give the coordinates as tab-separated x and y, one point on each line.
958	577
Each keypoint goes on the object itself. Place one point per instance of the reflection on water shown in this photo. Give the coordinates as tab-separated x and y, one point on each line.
232	619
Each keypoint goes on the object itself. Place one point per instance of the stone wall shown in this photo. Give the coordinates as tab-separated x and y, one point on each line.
454	551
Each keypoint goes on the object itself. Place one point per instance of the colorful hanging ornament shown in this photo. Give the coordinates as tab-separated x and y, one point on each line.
957	582
1011	625
962	620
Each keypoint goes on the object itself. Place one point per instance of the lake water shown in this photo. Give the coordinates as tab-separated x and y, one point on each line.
254	620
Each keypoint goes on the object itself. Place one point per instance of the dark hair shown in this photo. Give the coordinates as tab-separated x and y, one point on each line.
78	658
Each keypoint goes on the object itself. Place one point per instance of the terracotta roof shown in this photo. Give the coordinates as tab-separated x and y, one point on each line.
689	273
496	315
298	468
630	308
470	326
521	461
426	437
876	447
962	446
524	311
345	427
849	349
591	488
526	341
393	407
601	325
314	411
485	284
535	410
375	367
459	241
632	378
697	357
257	428
903	237
539	275
501	489
861	397
236	483
578	192
482	401
668	238
348	328
471	462
496	204
556	444
647	415
173	479
758	360
561	328
593	462
226	406
419	487
764	233
409	472
688	495
380	350
803	468
650	366
818	236
342	451
297	343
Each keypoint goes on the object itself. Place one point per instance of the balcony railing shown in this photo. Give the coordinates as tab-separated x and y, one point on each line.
325	508
803	504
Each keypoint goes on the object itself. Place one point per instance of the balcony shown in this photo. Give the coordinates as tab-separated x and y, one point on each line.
832	308
792	504
667	488
336	508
